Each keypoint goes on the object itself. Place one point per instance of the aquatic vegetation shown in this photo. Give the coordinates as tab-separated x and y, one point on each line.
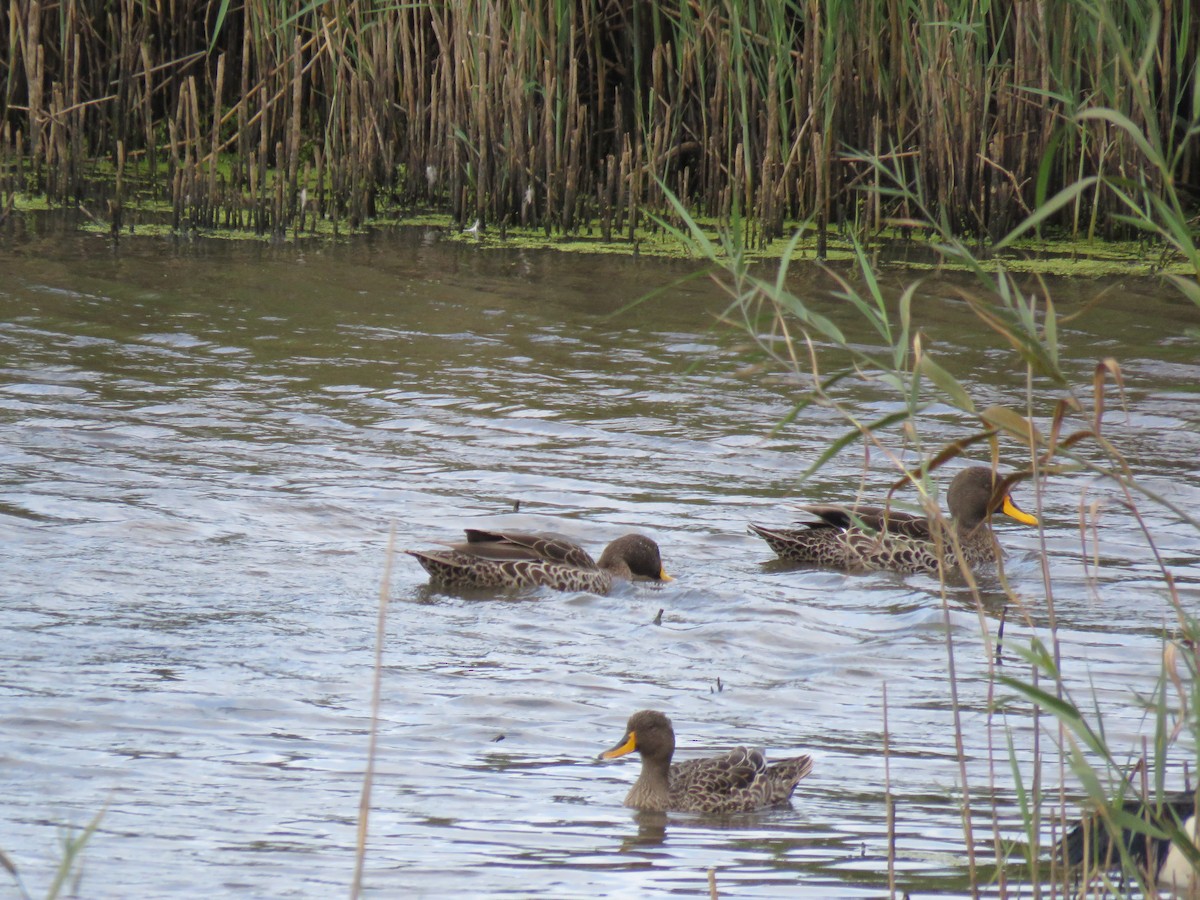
69	872
577	117
1062	427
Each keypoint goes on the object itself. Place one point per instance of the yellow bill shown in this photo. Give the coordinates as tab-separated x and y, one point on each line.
1012	510
629	745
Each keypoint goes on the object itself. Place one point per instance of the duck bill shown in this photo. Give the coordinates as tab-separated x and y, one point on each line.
1013	511
663	576
628	745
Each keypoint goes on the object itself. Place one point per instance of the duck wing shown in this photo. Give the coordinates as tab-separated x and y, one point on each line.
875	518
718	783
514	546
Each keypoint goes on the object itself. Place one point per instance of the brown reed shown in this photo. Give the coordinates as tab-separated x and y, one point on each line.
569	115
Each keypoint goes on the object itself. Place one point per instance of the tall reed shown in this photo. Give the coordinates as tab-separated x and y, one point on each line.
566	116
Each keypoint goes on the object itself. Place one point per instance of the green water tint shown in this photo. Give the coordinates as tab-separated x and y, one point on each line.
1047	257
1063	257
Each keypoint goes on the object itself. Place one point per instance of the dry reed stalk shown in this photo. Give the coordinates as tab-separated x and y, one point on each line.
889	800
607	192
633	191
214	141
507	110
28	29
75	121
174	144
242	165
258	196
768	198
319	178
255	219
54	173
293	149
278	206
364	804
116	206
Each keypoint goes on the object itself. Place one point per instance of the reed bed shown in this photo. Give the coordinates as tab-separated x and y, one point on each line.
571	116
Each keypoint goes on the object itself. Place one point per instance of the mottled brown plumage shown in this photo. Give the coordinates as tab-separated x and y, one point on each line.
864	538
739	781
493	559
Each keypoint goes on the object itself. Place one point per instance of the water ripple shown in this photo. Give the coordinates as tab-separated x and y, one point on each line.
197	489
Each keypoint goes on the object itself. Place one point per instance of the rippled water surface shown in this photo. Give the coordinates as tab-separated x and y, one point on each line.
202	451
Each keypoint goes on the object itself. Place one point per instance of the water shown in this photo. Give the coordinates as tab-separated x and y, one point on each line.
205	447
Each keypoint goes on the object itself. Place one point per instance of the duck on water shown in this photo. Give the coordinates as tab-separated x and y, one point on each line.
495	559
866	538
738	781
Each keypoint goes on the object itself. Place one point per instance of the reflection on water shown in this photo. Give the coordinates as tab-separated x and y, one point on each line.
651	830
204	449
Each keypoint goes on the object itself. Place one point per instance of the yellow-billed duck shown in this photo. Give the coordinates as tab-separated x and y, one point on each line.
493	559
739	781
864	538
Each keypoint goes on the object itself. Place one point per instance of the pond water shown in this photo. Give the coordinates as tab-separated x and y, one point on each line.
205	446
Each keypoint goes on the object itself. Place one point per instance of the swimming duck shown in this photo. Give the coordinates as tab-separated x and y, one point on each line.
739	781
494	559
869	537
1161	858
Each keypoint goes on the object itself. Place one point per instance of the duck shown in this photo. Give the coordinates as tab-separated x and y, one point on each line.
871	538
739	781
1158	852
496	559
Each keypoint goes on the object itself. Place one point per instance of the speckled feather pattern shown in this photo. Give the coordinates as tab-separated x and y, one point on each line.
855	550
738	781
867	538
508	560
453	569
